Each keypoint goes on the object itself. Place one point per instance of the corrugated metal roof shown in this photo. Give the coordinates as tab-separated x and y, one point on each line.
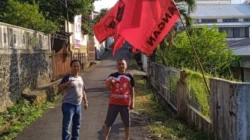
222	10
241	51
225	24
238	43
240	47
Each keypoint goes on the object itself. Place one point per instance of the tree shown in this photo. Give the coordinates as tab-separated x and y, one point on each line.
185	7
212	49
28	16
102	13
56	11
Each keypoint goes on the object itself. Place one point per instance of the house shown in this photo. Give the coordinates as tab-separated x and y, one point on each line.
234	19
241	48
213	1
235	23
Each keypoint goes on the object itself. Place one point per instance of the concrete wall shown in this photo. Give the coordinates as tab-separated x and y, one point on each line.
23	66
243	112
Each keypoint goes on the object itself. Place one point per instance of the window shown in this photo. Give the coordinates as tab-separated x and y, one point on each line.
242	32
14	39
4	38
247	31
10	37
235	32
196	21
230	20
230	32
23	39
40	41
208	20
246	19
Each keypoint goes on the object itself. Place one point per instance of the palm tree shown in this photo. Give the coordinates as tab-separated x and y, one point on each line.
185	7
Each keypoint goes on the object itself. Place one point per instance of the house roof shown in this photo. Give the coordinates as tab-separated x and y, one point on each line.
238	43
225	24
221	10
240	47
241	51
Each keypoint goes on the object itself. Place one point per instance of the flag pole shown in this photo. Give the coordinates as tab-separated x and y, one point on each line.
194	50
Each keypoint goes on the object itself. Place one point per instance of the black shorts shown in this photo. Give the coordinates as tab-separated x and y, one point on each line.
113	111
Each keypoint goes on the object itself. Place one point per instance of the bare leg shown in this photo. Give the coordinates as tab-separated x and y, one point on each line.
107	131
126	133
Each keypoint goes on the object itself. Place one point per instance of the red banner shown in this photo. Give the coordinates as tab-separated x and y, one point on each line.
121	16
106	26
118	42
157	18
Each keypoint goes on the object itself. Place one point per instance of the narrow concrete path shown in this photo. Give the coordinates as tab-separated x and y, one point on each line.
48	127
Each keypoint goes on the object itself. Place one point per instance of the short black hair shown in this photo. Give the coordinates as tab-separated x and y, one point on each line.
73	61
122	59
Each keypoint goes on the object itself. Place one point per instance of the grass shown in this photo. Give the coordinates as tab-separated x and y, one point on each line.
21	115
198	92
170	128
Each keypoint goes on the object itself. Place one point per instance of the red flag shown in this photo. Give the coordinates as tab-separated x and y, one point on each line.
158	17
118	42
106	26
121	16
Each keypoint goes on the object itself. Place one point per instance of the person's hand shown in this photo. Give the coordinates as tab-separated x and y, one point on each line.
85	106
111	81
132	106
69	83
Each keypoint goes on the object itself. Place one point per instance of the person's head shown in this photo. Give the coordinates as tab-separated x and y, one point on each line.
121	65
75	66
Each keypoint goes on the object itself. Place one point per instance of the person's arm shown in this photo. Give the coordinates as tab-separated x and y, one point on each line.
85	101
132	92
63	85
109	82
132	106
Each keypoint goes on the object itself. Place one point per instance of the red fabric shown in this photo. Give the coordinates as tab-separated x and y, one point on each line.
118	42
122	14
157	18
106	26
130	19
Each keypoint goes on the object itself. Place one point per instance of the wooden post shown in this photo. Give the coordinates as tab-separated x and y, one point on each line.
182	95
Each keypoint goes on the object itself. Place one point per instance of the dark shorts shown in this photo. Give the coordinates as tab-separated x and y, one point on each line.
113	111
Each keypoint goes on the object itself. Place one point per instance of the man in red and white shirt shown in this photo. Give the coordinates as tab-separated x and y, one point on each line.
121	86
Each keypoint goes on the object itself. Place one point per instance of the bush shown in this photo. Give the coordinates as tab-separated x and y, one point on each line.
198	93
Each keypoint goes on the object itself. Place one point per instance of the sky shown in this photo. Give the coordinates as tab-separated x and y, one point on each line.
100	4
237	1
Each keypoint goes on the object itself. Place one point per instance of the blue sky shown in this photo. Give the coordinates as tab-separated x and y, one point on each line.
100	4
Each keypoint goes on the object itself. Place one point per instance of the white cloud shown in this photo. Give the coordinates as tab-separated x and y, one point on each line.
101	4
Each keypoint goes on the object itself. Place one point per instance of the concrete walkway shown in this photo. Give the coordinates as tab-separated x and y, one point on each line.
48	127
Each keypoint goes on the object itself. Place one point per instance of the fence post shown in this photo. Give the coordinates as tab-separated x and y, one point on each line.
182	95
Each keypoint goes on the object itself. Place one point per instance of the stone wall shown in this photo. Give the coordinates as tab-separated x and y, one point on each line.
21	71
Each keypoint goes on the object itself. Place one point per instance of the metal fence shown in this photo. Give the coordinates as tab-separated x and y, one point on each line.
164	79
